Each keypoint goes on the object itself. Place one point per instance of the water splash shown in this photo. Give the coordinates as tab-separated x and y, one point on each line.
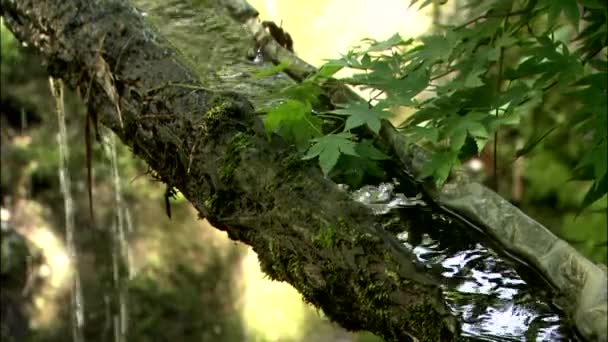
77	302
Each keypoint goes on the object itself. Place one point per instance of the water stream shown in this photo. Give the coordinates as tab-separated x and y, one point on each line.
497	298
77	303
122	225
220	52
120	247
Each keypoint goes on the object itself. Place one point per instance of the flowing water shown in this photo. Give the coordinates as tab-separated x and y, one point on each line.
120	247
122	225
497	298
77	303
217	50
120	228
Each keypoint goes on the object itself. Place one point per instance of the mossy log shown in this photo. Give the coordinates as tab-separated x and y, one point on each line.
581	283
210	145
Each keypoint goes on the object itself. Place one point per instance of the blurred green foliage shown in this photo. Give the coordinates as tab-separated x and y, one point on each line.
8	44
180	303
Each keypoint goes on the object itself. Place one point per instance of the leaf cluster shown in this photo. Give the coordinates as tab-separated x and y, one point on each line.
466	83
320	130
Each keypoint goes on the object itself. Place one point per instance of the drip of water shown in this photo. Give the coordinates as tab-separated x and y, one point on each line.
120	247
77	302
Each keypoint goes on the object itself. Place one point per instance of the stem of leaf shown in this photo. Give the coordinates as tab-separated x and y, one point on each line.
490	14
313	126
498	83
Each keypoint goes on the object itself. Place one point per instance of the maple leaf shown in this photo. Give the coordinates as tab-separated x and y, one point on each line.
329	148
360	113
293	120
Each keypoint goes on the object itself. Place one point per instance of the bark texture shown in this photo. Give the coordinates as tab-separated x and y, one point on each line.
212	147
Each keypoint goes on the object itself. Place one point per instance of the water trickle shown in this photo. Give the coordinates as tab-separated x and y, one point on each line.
77	302
215	48
120	247
129	258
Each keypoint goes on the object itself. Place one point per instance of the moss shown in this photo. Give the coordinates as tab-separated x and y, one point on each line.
232	159
392	274
325	237
210	202
218	108
293	163
223	112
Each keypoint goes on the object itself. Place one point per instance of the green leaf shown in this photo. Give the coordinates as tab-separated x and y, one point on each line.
596	80
535	140
411	85
597	191
328	70
353	170
429	112
600	160
584	168
272	70
478	132
473	80
366	149
329	148
529	67
307	91
518	91
439	167
340	62
495	122
424	4
393	41
286	111
553	12
434	48
294	122
474	125
458	127
556	7
430	134
359	114
457	138
381	77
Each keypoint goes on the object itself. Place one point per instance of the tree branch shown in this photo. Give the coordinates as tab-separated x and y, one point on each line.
212	147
